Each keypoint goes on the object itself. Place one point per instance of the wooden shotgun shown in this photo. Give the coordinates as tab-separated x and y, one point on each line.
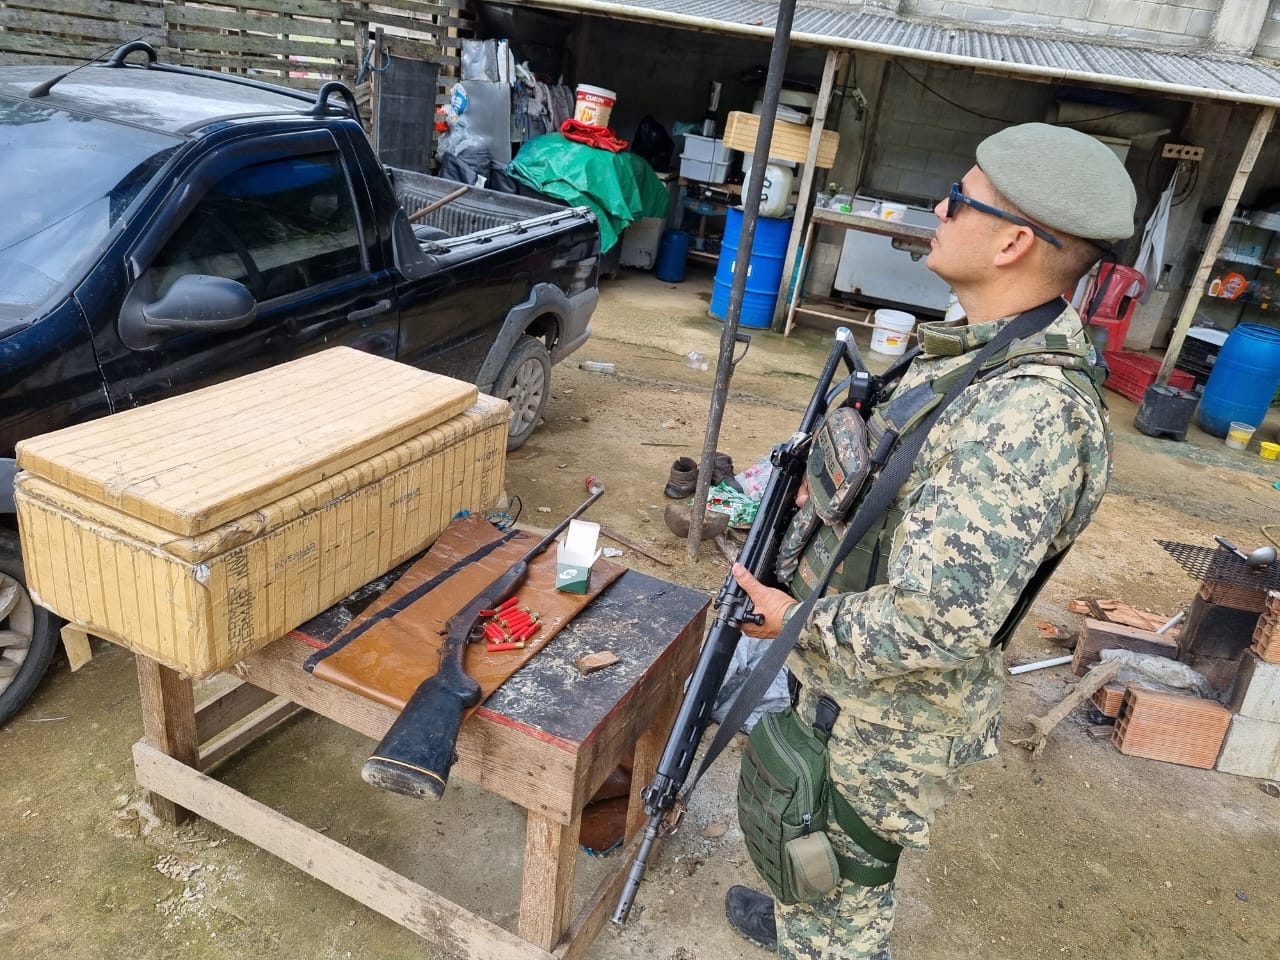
415	756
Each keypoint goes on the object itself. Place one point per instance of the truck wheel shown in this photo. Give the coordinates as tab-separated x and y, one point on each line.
524	382
28	633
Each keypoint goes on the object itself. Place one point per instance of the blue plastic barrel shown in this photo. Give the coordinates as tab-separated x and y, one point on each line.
673	253
764	270
1243	381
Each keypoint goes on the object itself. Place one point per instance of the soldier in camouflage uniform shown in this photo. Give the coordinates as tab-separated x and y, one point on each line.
1008	477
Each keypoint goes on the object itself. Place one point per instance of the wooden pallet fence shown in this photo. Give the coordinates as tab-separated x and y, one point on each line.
67	31
300	43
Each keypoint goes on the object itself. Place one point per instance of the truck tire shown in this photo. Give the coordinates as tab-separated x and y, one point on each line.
28	633
524	382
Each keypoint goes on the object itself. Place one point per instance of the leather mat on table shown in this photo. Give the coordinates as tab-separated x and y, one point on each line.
386	655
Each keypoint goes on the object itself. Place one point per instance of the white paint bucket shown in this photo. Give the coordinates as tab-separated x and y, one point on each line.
892	332
593	105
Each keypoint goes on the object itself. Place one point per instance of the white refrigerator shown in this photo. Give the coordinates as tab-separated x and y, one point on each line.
871	267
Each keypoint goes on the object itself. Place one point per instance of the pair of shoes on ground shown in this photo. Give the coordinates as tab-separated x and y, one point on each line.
683	480
751	914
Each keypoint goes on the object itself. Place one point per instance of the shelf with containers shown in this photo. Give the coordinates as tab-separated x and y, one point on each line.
1246	271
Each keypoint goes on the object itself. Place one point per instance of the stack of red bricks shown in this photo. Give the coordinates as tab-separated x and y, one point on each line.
1266	636
1172	727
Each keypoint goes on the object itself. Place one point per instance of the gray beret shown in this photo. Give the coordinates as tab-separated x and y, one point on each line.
1061	178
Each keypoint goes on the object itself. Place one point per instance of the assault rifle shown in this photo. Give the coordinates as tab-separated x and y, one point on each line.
415	756
662	801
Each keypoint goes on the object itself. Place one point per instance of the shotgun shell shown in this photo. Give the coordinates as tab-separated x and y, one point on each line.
508	645
525	632
517	619
508	603
493	631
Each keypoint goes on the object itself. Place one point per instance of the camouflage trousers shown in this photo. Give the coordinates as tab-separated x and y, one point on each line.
896	780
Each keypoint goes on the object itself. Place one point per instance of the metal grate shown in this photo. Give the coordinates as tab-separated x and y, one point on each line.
1220	565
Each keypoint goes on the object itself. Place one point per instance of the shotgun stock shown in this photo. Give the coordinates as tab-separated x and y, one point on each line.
663	802
415	756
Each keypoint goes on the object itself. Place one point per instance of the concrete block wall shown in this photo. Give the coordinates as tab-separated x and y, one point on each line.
922	144
1174	23
1269	35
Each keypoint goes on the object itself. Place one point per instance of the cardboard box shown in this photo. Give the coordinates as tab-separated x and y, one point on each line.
575	555
139	549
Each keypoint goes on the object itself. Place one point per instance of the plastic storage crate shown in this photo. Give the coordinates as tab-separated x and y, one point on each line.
1198	353
1132	373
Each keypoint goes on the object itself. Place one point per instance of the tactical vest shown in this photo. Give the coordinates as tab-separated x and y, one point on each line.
811	541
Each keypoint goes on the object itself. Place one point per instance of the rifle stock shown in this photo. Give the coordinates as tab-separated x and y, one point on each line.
759	554
417	753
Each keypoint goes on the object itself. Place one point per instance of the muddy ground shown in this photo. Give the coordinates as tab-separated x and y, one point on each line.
1082	853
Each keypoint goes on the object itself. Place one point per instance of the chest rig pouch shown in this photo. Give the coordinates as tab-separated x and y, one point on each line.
845	454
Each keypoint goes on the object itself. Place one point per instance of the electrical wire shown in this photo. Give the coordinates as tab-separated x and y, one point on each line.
987	116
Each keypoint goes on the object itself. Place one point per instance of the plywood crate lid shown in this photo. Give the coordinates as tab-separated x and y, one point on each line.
192	462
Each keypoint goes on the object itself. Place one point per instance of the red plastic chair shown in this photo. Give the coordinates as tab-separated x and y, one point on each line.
1119	300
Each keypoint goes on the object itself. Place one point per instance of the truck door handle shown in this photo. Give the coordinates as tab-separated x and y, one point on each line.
368	313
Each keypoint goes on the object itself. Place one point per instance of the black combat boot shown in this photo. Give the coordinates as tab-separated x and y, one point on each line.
751	914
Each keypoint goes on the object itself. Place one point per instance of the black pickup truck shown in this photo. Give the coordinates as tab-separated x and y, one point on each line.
167	228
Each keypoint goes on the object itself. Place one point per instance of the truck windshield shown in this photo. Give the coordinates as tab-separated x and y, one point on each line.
68	179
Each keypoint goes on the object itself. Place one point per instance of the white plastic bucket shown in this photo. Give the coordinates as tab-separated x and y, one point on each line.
892	332
593	105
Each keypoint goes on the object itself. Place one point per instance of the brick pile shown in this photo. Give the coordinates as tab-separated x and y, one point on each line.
1172	727
1266	636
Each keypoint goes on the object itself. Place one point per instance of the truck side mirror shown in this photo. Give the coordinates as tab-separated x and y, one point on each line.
198	302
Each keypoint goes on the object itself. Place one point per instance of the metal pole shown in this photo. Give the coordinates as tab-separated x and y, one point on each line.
750	210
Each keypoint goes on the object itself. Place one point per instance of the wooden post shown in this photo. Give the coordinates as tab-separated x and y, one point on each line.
1261	127
169	725
790	295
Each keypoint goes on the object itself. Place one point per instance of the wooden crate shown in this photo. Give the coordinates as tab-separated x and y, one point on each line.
173	579
790	140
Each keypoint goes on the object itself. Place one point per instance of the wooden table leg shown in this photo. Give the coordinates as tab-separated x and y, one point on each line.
550	863
169	724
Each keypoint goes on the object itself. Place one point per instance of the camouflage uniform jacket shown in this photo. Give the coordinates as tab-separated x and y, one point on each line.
1009	475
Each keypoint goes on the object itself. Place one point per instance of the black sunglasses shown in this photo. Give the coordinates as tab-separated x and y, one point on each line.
956	198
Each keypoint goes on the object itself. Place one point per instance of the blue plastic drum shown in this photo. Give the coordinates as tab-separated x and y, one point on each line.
764	270
1243	381
673	254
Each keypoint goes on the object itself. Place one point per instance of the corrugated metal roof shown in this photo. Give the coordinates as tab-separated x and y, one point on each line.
1044	56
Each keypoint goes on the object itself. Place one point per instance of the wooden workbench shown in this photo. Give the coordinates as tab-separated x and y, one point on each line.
545	740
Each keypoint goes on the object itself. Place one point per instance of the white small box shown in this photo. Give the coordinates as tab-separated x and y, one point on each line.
575	555
704	171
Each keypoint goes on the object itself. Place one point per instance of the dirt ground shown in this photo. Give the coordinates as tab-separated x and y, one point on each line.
1082	853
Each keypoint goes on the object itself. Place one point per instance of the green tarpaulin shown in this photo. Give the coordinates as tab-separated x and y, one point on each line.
618	187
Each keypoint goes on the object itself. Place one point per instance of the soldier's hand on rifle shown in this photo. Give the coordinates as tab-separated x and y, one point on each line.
771	603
